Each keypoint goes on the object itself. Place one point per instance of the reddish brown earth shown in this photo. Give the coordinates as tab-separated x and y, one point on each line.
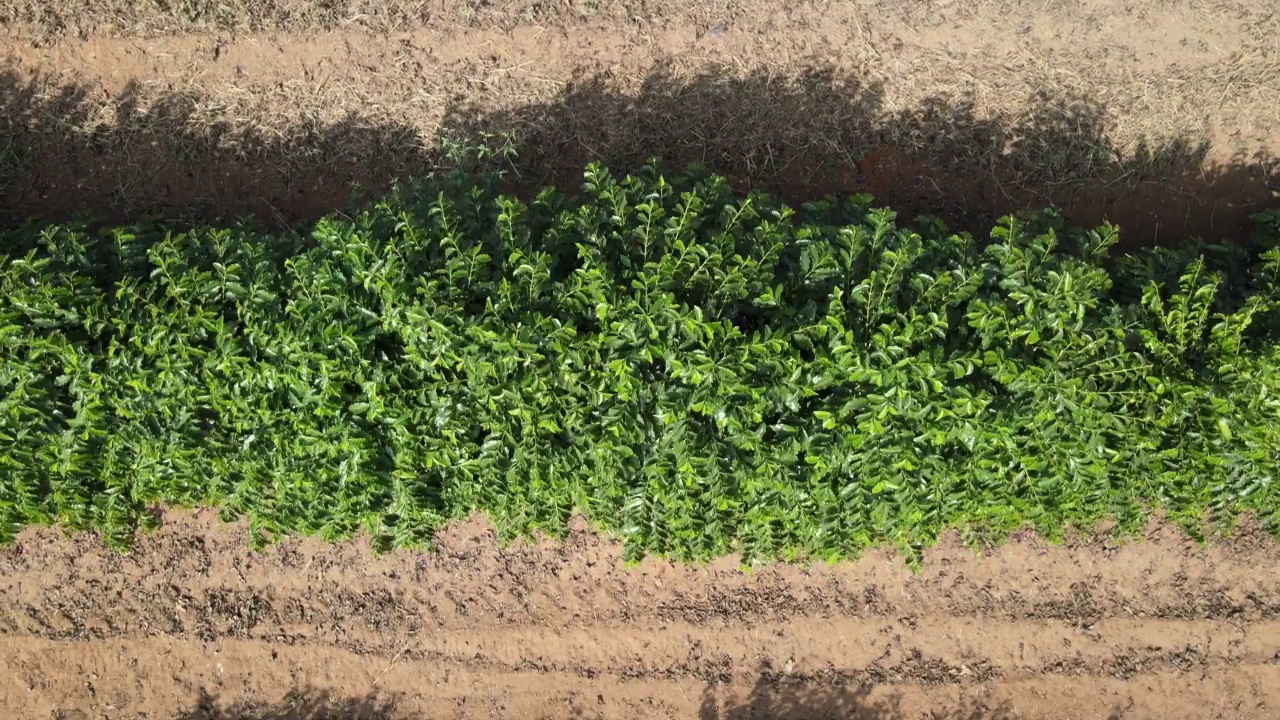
192	624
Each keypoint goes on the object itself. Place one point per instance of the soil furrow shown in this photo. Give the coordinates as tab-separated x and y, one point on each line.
542	626
197	576
170	674
848	645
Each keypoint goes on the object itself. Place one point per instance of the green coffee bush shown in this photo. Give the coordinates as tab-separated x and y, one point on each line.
695	371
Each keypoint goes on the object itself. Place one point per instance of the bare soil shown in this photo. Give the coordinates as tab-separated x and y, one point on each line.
1160	115
192	624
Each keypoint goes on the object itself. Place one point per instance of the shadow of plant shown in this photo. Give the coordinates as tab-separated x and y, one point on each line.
778	695
801	136
299	704
820	133
773	696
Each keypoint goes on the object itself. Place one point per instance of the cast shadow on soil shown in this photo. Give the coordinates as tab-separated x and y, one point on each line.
66	151
773	697
778	696
299	704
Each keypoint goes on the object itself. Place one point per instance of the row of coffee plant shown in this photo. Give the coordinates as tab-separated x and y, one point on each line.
696	371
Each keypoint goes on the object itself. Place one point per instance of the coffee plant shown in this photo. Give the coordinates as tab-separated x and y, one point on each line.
696	371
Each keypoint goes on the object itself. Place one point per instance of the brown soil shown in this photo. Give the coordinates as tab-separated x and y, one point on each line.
1160	115
192	624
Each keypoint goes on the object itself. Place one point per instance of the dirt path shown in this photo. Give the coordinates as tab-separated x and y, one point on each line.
1161	115
1160	628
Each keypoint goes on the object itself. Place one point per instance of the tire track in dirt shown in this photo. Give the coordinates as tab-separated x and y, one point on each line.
950	648
1161	625
159	677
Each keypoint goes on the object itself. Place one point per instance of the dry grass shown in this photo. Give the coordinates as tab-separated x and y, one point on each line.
149	18
996	106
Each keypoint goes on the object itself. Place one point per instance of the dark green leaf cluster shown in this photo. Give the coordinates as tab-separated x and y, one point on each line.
699	372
